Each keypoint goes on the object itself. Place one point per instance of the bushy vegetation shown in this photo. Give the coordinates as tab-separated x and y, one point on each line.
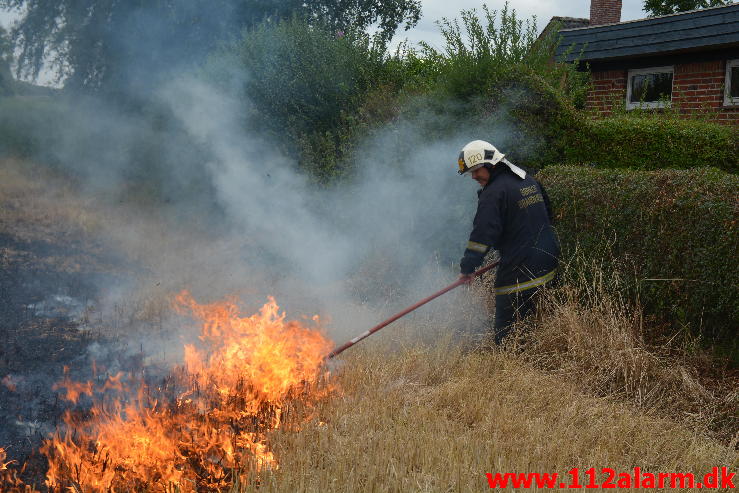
304	83
667	7
653	141
487	48
491	67
6	52
322	89
495	68
672	234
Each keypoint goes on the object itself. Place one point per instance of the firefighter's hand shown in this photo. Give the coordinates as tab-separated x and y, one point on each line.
466	278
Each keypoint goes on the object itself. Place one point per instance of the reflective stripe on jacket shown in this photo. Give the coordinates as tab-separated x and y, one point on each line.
514	217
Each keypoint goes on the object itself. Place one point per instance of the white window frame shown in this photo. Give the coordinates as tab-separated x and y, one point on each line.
648	104
728	100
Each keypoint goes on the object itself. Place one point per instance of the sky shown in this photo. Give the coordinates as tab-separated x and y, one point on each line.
434	10
544	10
6	18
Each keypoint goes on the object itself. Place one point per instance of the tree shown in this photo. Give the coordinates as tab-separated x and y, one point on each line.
6	54
308	91
667	7
124	45
6	47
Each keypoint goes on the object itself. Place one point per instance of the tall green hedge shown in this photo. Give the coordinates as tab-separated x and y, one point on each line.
652	142
676	227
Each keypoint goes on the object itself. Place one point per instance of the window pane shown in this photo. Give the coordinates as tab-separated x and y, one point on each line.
651	87
734	92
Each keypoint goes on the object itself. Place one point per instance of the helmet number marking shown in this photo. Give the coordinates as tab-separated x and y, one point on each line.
475	158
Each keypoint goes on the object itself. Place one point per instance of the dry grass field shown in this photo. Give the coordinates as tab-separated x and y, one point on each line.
436	418
38	205
582	385
421	408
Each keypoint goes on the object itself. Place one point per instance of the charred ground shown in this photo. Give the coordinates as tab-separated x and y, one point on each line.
51	270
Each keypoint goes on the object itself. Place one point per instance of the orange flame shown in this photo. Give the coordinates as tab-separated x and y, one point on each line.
207	426
3	455
9	480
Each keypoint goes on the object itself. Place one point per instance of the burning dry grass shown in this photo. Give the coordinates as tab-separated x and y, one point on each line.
202	426
437	417
234	387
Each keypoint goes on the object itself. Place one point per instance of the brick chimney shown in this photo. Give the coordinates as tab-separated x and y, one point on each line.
605	12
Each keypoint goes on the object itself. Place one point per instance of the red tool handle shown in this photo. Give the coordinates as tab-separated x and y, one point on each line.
405	312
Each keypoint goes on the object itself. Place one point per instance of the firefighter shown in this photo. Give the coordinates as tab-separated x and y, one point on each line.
514	217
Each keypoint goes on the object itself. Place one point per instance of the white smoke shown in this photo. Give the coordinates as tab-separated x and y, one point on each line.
387	228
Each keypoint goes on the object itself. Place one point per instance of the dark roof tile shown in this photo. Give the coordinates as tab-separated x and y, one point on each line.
698	29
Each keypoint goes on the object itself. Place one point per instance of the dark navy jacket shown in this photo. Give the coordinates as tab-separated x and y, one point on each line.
513	217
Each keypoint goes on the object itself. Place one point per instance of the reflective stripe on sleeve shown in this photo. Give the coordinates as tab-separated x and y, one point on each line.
523	286
477	247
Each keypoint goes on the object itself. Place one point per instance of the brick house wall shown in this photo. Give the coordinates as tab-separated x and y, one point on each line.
696	87
701	85
608	89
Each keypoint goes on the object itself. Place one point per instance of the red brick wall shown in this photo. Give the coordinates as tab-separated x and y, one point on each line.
700	87
696	87
609	88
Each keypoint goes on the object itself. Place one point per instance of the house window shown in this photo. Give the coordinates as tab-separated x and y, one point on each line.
649	88
731	91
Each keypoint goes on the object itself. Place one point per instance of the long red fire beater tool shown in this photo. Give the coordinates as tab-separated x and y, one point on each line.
405	312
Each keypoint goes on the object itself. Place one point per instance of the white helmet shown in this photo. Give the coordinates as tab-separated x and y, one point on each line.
476	154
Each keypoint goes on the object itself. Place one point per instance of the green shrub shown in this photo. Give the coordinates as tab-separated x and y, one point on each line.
316	91
487	46
493	77
654	142
540	116
304	76
305	82
675	228
521	114
469	61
